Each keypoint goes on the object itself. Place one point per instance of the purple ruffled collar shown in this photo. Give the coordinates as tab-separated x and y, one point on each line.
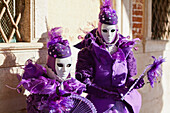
122	47
46	93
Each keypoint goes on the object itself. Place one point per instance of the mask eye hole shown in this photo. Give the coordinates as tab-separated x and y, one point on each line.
104	30
59	65
113	30
68	65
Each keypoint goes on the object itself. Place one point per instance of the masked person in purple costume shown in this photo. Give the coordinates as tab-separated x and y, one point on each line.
106	65
50	87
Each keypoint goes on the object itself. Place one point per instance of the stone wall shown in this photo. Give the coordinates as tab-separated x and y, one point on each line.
152	98
13	56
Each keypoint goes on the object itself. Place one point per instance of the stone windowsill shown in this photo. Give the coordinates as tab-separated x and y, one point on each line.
21	46
152	46
156	45
149	46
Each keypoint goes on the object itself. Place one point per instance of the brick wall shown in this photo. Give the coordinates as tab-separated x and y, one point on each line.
137	18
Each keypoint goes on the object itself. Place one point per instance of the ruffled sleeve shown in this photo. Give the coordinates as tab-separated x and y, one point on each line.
132	69
131	65
46	95
127	46
74	86
87	40
84	66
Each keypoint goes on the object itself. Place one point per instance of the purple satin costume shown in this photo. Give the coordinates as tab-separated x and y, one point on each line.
108	76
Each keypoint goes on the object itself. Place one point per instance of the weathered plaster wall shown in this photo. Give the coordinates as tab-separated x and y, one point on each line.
166	81
152	98
75	16
13	56
156	100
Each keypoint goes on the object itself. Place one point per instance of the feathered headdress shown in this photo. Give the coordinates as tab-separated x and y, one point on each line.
107	15
57	47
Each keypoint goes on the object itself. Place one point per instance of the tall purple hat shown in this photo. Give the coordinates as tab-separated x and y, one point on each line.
57	47
107	15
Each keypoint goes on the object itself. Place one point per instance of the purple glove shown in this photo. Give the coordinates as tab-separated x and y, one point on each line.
139	84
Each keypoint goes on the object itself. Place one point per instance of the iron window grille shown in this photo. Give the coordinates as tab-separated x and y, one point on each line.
160	19
10	16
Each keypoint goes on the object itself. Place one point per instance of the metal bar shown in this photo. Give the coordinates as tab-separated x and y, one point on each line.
3	34
14	24
1	30
18	35
3	10
13	30
160	18
8	12
14	5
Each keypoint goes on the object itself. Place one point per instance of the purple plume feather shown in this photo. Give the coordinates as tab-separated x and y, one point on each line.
155	70
55	37
106	4
152	74
55	33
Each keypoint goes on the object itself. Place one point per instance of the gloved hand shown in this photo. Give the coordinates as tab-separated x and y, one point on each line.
139	84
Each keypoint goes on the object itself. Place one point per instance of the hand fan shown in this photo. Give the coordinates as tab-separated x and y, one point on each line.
81	105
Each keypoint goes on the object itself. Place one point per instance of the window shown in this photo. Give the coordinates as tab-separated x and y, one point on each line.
10	17
160	19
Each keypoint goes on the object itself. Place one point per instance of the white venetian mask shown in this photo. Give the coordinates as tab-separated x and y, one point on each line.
63	67
108	32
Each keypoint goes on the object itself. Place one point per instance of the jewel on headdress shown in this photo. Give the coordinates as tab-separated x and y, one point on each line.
55	56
